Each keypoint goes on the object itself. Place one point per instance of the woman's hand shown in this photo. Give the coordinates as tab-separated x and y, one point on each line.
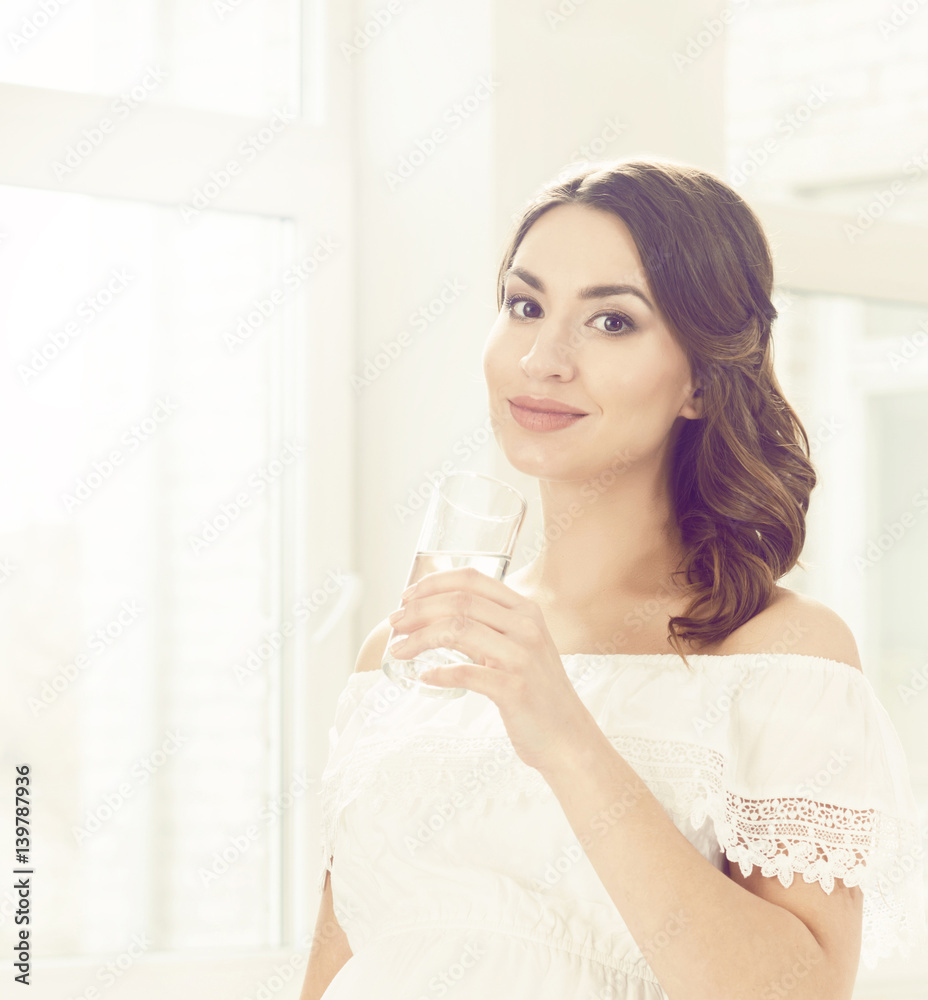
515	662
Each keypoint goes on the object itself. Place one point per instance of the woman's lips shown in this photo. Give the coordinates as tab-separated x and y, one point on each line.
538	420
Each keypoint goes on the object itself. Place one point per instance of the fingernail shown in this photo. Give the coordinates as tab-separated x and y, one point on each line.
406	593
397	615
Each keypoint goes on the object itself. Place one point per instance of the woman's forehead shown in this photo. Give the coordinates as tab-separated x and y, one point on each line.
576	245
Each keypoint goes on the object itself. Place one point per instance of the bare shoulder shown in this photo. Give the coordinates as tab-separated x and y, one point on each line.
370	655
794	623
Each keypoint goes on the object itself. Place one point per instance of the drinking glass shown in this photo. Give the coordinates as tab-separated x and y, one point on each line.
472	520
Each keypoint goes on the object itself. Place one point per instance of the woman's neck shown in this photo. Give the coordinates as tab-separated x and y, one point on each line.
605	541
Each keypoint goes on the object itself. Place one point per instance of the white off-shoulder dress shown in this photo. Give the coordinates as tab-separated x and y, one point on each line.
455	871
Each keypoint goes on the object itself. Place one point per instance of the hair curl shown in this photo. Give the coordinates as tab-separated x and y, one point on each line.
742	474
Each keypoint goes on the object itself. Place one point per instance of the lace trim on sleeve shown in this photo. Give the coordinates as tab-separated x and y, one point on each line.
788	835
825	842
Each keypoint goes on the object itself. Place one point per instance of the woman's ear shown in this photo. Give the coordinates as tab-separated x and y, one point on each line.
692	408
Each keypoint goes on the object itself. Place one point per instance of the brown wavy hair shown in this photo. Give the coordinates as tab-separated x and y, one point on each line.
741	475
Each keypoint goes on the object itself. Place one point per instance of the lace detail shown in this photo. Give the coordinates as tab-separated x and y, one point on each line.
790	835
781	836
824	842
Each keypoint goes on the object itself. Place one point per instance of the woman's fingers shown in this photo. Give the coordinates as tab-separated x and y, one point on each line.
450	604
470	579
476	640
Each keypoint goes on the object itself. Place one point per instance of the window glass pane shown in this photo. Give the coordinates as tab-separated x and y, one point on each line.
906	324
140	539
825	105
233	56
856	371
895	557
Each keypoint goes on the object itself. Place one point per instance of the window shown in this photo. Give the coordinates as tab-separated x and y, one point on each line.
176	585
142	591
223	55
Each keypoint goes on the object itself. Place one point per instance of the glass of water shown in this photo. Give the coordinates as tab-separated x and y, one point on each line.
472	520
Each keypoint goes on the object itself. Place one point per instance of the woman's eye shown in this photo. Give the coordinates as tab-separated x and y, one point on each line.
613	323
523	308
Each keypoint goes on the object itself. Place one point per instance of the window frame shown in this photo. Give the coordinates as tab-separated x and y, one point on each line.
306	176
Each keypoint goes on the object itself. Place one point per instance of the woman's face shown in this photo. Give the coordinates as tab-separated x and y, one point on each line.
579	325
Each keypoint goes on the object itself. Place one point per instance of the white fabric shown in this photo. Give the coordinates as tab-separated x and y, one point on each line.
455	867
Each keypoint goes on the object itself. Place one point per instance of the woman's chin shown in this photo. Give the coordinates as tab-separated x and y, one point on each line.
542	461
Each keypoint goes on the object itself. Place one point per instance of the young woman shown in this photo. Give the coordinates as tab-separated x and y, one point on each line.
672	777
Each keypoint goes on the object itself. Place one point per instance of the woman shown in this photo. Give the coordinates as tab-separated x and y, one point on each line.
661	737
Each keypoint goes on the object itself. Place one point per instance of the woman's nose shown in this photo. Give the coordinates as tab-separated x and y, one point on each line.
552	353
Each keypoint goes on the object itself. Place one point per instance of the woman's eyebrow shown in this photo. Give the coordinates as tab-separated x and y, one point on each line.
593	292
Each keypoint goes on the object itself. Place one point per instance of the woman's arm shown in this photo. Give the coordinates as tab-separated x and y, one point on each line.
329	950
706	935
